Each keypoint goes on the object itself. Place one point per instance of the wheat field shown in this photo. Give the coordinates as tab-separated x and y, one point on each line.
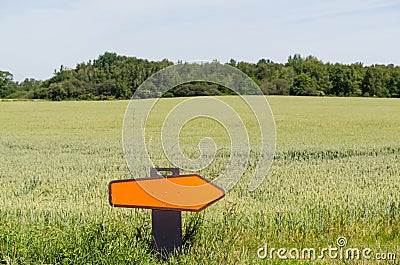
336	173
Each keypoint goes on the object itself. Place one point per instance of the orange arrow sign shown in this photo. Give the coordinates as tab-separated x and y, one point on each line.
183	192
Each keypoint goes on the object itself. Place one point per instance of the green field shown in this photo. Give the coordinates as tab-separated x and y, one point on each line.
336	173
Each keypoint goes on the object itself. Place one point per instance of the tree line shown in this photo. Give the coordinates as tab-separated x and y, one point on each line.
113	76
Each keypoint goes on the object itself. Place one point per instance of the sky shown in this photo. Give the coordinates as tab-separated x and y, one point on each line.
38	36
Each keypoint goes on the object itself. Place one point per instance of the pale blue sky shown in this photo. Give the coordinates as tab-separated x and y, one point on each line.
38	36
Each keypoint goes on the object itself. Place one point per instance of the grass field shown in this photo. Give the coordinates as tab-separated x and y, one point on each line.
336	173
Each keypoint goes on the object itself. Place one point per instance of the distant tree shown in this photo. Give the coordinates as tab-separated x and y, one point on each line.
29	84
356	75
112	76
249	69
232	62
26	88
58	76
106	60
56	92
393	83
304	85
7	86
374	82
196	89
296	62
338	78
266	69
5	77
275	87
318	71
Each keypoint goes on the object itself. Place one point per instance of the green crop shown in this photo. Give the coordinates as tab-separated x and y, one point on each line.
336	172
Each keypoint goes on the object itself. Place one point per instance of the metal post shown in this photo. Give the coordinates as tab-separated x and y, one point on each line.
166	224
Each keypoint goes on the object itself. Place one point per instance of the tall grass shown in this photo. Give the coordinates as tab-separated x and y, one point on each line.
336	172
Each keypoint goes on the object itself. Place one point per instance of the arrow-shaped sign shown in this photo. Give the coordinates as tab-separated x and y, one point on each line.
183	193
167	196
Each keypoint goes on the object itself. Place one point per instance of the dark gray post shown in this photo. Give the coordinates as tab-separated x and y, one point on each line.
166	224
167	231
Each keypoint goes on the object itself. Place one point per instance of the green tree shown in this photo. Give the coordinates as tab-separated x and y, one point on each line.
114	76
393	83
303	85
346	80
275	87
7	86
374	82
317	70
296	62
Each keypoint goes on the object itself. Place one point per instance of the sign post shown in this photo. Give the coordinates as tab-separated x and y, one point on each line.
166	224
167	196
